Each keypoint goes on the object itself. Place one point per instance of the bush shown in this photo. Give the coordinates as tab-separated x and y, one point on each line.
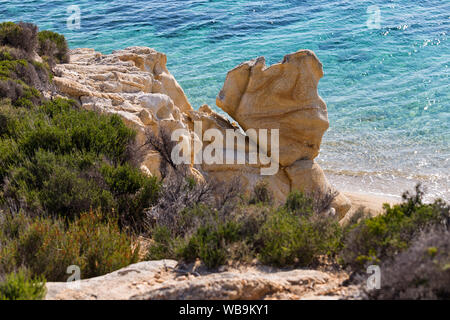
60	160
420	272
21	35
20	94
275	236
378	239
133	191
180	193
210	243
289	239
261	193
21	77
199	232
53	46
164	245
297	202
20	286
46	247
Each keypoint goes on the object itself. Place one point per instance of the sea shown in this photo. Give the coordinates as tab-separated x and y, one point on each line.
386	69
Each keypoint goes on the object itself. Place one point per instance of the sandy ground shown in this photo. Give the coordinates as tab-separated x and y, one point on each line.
372	204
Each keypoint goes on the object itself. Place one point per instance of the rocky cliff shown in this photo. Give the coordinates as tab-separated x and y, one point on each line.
136	84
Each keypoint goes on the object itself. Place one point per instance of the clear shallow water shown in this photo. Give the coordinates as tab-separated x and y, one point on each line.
387	89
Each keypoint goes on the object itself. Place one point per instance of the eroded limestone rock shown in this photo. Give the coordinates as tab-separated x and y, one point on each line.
162	280
283	96
135	84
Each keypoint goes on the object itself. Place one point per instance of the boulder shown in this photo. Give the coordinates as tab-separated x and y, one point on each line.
283	96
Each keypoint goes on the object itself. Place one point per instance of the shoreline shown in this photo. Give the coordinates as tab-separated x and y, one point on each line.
372	202
388	188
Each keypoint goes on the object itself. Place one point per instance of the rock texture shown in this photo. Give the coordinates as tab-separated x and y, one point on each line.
283	96
156	280
135	84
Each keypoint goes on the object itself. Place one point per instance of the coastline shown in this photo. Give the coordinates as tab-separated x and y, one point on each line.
97	167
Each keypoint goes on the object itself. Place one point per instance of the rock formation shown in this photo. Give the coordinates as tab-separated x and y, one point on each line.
135	84
163	280
282	96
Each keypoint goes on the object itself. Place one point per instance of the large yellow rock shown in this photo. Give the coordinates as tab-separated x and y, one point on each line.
283	96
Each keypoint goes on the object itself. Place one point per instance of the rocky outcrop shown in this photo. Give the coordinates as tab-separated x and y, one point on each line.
163	280
283	96
135	84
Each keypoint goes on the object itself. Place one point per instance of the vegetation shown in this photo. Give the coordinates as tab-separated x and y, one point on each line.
291	239
71	194
53	47
377	239
20	286
19	35
420	272
411	236
277	236
47	246
261	194
59	160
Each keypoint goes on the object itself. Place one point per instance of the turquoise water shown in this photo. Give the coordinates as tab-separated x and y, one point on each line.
387	89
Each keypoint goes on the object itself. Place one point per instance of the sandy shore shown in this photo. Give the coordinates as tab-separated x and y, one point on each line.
372	203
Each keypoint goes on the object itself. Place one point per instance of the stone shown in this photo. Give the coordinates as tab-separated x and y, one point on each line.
283	96
135	84
164	280
308	177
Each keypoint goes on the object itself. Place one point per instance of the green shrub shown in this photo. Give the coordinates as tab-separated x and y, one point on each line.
59	127
420	272
164	245
20	76
380	238
53	46
20	286
46	247
275	236
261	193
61	160
133	192
21	35
210	243
290	239
123	179
297	202
67	194
200	232
58	162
